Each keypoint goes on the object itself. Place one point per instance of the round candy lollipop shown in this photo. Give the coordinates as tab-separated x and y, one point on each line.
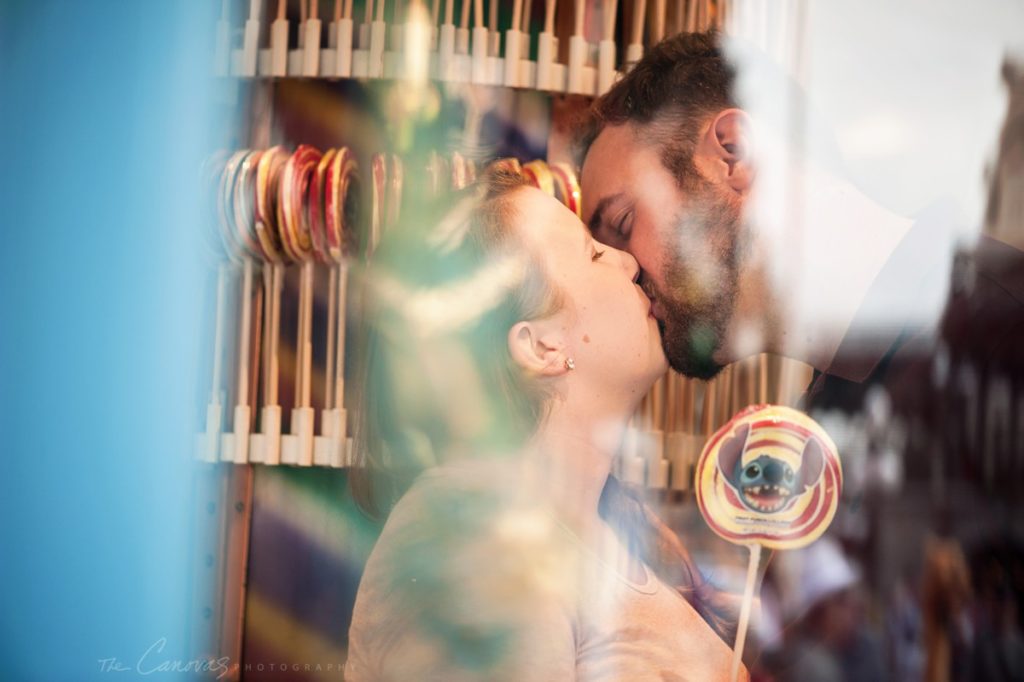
539	175
341	203
268	177
567	187
770	477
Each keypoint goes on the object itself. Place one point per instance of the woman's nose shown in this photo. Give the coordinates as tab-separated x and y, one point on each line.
630	265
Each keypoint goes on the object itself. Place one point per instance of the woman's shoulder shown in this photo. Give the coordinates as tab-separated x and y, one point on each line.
462	496
463	567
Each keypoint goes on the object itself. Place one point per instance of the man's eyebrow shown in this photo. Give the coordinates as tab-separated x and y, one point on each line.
599	210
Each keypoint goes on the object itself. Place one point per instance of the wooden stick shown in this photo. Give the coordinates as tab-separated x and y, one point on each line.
748	600
435	12
218	333
549	17
305	344
313	10
464	19
332	311
478	13
256	354
525	24
380	10
348	10
275	331
610	9
637	29
672	405
691	15
690	425
368	19
725	394
580	9
449	11
658	22
658	404
268	317
762	378
281	7
678	17
707	417
244	332
339	365
517	14
492	16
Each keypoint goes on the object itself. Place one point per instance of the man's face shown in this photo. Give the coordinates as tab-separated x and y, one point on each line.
686	241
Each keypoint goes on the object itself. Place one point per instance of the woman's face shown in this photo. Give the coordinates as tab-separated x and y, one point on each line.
606	325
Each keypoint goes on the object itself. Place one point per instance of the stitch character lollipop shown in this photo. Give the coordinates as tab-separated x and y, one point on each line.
770	477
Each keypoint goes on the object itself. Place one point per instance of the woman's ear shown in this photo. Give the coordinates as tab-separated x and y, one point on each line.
536	350
725	150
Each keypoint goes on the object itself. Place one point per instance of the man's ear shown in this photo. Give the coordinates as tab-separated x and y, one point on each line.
536	350
725	150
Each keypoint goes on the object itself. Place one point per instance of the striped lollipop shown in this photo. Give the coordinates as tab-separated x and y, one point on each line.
539	175
244	202
292	218
567	187
316	208
770	476
341	202
268	178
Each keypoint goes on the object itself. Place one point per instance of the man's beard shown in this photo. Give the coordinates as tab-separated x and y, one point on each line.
701	282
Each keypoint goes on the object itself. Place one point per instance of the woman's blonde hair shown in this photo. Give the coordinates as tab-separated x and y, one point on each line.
406	423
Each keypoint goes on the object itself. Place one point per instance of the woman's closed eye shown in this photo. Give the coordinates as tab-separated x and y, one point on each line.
596	255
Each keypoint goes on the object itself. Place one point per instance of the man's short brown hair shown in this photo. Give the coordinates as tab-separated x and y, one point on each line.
671	92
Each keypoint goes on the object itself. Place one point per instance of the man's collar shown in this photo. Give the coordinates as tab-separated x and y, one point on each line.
905	299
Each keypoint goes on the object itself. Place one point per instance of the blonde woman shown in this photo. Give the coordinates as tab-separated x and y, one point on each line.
508	350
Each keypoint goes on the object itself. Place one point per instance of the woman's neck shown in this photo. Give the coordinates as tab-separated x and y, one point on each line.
571	457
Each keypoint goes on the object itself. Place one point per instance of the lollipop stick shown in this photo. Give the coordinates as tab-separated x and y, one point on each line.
339	363
332	302
244	334
748	600
275	333
304	344
218	334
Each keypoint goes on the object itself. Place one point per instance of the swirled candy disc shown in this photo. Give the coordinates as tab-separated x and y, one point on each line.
567	187
341	203
293	227
268	177
225	204
244	199
316	207
770	476
539	175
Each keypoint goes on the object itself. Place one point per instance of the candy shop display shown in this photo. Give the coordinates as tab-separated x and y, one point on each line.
395	39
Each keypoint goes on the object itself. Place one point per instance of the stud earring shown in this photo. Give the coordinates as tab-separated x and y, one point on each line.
570	363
